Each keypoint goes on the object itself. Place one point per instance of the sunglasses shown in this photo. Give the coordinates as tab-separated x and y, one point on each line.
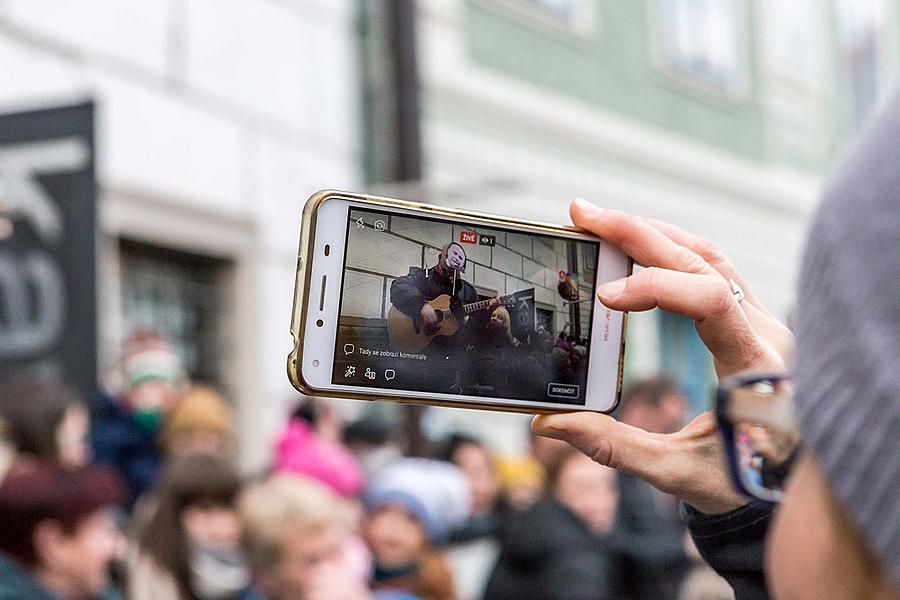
759	428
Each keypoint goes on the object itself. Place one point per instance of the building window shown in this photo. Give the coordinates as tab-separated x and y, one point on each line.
860	32
702	42
544	320
793	48
179	295
571	15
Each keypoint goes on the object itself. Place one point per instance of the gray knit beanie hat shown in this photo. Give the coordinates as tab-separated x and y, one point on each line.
847	371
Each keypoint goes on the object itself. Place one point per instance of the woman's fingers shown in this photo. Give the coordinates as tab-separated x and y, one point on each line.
709	252
708	300
656	244
640	240
762	321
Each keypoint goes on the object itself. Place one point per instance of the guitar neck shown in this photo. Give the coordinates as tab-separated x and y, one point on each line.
481	304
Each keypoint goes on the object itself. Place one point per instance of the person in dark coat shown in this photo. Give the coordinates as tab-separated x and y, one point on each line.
649	525
561	548
411	293
125	431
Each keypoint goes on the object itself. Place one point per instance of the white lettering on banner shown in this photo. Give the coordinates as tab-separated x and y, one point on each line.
27	328
21	195
32	289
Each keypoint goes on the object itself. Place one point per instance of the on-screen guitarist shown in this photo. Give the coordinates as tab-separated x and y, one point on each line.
411	293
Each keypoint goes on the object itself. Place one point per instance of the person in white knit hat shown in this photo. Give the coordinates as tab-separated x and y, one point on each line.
412	504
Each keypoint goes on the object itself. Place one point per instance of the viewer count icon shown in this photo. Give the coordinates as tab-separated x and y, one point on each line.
370	374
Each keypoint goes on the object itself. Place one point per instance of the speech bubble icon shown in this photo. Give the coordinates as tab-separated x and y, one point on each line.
349	348
389	374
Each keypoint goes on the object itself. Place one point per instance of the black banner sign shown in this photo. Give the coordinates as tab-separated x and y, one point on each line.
48	319
522	314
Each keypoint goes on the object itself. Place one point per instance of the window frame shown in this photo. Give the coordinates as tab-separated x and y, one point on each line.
738	91
543	18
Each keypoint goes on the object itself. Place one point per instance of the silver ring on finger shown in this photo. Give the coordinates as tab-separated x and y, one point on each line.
737	290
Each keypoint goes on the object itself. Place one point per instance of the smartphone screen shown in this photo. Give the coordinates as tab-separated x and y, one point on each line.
436	306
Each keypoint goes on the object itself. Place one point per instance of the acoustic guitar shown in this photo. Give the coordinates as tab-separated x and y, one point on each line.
406	335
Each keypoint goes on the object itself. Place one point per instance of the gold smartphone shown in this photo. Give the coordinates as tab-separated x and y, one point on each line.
414	303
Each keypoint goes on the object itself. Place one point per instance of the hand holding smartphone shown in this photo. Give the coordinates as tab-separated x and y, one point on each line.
408	302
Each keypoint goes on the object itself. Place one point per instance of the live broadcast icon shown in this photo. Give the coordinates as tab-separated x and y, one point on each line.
468	237
486	240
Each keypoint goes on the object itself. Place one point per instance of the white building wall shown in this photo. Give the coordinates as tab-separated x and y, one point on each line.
216	119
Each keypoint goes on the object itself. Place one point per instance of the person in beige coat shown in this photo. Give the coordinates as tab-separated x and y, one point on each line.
189	549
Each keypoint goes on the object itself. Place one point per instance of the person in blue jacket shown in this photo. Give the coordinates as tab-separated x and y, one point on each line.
125	431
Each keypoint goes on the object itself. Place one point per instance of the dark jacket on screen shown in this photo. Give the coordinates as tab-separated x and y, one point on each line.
733	544
411	291
651	534
120	443
548	553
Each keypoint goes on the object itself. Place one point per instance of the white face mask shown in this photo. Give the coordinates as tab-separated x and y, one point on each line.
217	574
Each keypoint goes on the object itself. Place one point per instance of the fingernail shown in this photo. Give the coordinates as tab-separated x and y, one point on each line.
586	206
611	289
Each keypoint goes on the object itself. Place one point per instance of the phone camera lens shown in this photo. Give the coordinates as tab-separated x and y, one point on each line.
319	323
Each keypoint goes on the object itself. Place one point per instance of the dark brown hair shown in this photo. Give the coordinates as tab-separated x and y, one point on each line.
32	409
46	492
193	480
649	391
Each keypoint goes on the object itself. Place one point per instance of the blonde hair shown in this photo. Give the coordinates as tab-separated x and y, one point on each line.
507	324
282	506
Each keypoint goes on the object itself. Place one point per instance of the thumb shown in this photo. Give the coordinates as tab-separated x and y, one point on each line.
605	440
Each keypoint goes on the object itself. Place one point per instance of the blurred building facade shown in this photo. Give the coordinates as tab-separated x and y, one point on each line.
217	118
215	121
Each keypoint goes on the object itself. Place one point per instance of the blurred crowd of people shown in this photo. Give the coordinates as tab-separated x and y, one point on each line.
139	496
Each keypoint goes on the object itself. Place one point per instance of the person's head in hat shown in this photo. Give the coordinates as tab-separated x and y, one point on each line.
201	422
153	377
521	480
58	534
412	504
